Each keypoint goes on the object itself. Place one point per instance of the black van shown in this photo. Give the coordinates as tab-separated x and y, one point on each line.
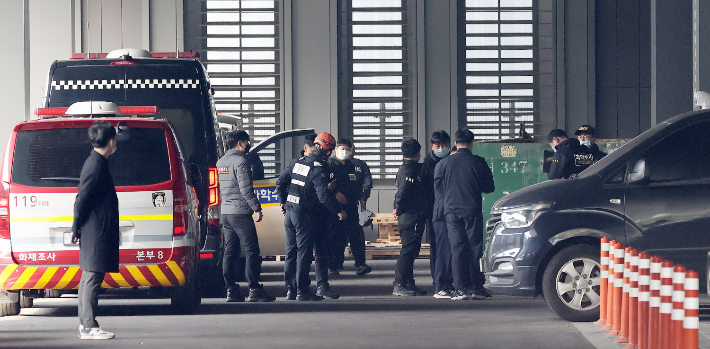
180	88
652	194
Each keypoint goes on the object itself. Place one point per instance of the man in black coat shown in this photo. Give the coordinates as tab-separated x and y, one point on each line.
439	247
461	178
570	157
96	227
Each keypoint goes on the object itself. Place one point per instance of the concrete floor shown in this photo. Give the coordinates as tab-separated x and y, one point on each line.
367	316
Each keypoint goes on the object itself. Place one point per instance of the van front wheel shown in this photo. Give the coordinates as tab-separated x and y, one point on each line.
571	282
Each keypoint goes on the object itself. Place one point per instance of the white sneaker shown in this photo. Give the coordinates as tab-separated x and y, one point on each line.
443	294
94	333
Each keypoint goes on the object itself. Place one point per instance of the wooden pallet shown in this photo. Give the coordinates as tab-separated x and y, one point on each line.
379	250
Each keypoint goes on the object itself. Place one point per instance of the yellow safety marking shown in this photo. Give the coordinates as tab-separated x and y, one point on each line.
265	185
269	205
68	276
48	219
177	271
159	275
6	274
105	285
138	275
46	277
119	279
22	280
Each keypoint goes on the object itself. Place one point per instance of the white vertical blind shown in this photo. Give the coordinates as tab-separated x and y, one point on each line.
379	110
242	55
500	68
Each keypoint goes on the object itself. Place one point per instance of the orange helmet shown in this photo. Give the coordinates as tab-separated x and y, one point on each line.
326	141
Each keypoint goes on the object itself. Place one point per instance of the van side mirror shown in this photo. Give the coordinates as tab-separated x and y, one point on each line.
639	173
195	174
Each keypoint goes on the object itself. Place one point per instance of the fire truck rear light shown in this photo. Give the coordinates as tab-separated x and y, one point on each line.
124	63
213	186
214	197
140	110
4	211
206	255
179	231
50	111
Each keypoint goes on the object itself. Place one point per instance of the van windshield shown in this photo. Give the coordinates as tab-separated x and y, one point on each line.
594	169
54	158
175	89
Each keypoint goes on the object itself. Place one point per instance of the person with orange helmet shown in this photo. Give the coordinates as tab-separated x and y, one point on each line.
303	192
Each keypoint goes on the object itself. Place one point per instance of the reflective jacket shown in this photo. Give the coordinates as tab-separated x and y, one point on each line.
236	186
303	187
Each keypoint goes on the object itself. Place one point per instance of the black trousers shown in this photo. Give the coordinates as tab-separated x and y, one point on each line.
441	256
240	231
299	251
466	240
411	230
344	231
323	251
432	247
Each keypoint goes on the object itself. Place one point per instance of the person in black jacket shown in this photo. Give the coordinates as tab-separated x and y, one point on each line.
364	176
238	204
302	189
587	136
95	227
570	157
460	179
408	211
348	185
321	237
440	250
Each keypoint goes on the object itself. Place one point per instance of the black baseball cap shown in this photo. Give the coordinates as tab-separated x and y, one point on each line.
586	130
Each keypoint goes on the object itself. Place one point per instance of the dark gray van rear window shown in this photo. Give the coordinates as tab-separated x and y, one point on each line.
54	158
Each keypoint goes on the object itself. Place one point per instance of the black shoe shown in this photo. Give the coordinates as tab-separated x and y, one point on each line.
333	272
459	295
233	295
481	294
259	295
413	287
308	297
403	291
363	269
326	292
290	294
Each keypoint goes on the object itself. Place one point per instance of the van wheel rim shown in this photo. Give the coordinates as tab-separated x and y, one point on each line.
578	282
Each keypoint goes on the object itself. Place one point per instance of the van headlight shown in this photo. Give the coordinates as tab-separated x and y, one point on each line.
522	216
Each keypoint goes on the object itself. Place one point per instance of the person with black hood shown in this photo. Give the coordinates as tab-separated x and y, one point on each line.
587	136
440	250
570	157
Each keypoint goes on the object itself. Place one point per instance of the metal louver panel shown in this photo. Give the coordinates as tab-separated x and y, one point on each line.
242	54
378	111
500	66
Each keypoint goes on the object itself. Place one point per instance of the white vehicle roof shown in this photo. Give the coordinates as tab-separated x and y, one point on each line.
133	52
93	108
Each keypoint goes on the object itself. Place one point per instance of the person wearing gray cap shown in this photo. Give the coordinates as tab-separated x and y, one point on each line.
587	136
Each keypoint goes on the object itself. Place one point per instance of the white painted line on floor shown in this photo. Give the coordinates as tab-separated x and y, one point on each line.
595	336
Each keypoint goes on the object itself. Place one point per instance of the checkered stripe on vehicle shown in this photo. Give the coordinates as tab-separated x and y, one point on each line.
123	84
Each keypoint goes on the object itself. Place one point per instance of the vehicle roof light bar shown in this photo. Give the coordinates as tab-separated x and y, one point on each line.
132	110
154	54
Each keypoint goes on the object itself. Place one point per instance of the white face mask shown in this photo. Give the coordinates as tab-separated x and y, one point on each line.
342	154
587	143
